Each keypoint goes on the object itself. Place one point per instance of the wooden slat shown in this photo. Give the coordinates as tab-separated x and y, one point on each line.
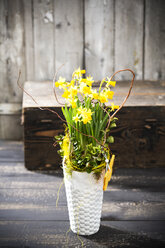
68	35
53	234
43	39
129	37
12	59
154	40
22	210
10	127
29	38
99	38
144	93
11	151
11	50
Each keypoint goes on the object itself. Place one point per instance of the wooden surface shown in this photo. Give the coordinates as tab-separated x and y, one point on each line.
144	93
129	37
139	136
133	208
101	36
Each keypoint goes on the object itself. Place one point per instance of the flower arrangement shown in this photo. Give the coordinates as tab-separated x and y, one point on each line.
85	145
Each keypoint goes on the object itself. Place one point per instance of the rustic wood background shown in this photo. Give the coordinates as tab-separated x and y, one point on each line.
37	36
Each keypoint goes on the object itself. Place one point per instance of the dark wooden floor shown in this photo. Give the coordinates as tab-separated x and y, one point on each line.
133	210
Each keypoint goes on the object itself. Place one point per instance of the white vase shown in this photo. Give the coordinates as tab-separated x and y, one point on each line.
84	199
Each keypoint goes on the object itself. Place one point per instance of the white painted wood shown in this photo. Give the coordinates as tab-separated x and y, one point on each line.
43	39
29	39
99	38
129	37
154	67
11	50
10	108
68	35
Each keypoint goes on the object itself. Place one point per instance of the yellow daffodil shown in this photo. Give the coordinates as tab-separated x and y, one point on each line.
73	91
80	110
66	94
73	103
103	98
76	118
86	90
60	82
89	81
95	95
86	115
109	82
71	83
113	107
83	80
78	73
109	94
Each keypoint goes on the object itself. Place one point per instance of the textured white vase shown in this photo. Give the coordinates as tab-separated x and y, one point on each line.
84	198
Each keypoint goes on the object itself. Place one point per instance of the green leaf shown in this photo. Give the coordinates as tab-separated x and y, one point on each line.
110	139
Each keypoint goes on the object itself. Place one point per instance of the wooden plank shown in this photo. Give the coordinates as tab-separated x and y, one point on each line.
43	39
8	131
11	50
129	37
15	175
29	38
23	210
144	93
68	36
154	40
11	151
12	59
53	234
99	38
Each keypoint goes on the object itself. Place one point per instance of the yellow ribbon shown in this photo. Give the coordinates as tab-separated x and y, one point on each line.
108	174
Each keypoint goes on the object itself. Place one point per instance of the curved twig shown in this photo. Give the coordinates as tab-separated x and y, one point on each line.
111	117
54	79
132	81
54	112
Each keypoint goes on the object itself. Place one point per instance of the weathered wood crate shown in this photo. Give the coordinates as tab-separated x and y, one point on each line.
139	136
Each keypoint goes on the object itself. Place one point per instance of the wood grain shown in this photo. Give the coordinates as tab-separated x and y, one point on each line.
133	207
154	40
29	38
99	37
129	37
43	39
68	36
53	234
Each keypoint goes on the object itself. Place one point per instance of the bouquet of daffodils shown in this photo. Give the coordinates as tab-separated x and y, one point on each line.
85	145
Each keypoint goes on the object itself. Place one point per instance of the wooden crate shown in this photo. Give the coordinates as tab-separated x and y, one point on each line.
139	136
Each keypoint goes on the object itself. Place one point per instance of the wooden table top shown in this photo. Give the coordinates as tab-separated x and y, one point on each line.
133	208
144	93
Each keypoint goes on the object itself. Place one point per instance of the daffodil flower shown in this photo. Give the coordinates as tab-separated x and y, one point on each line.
113	107
66	94
73	91
73	103
78	73
76	118
109	82
103	98
89	81
86	90
109	94
60	82
94	95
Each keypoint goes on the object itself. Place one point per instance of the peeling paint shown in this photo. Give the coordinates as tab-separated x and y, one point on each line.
48	18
